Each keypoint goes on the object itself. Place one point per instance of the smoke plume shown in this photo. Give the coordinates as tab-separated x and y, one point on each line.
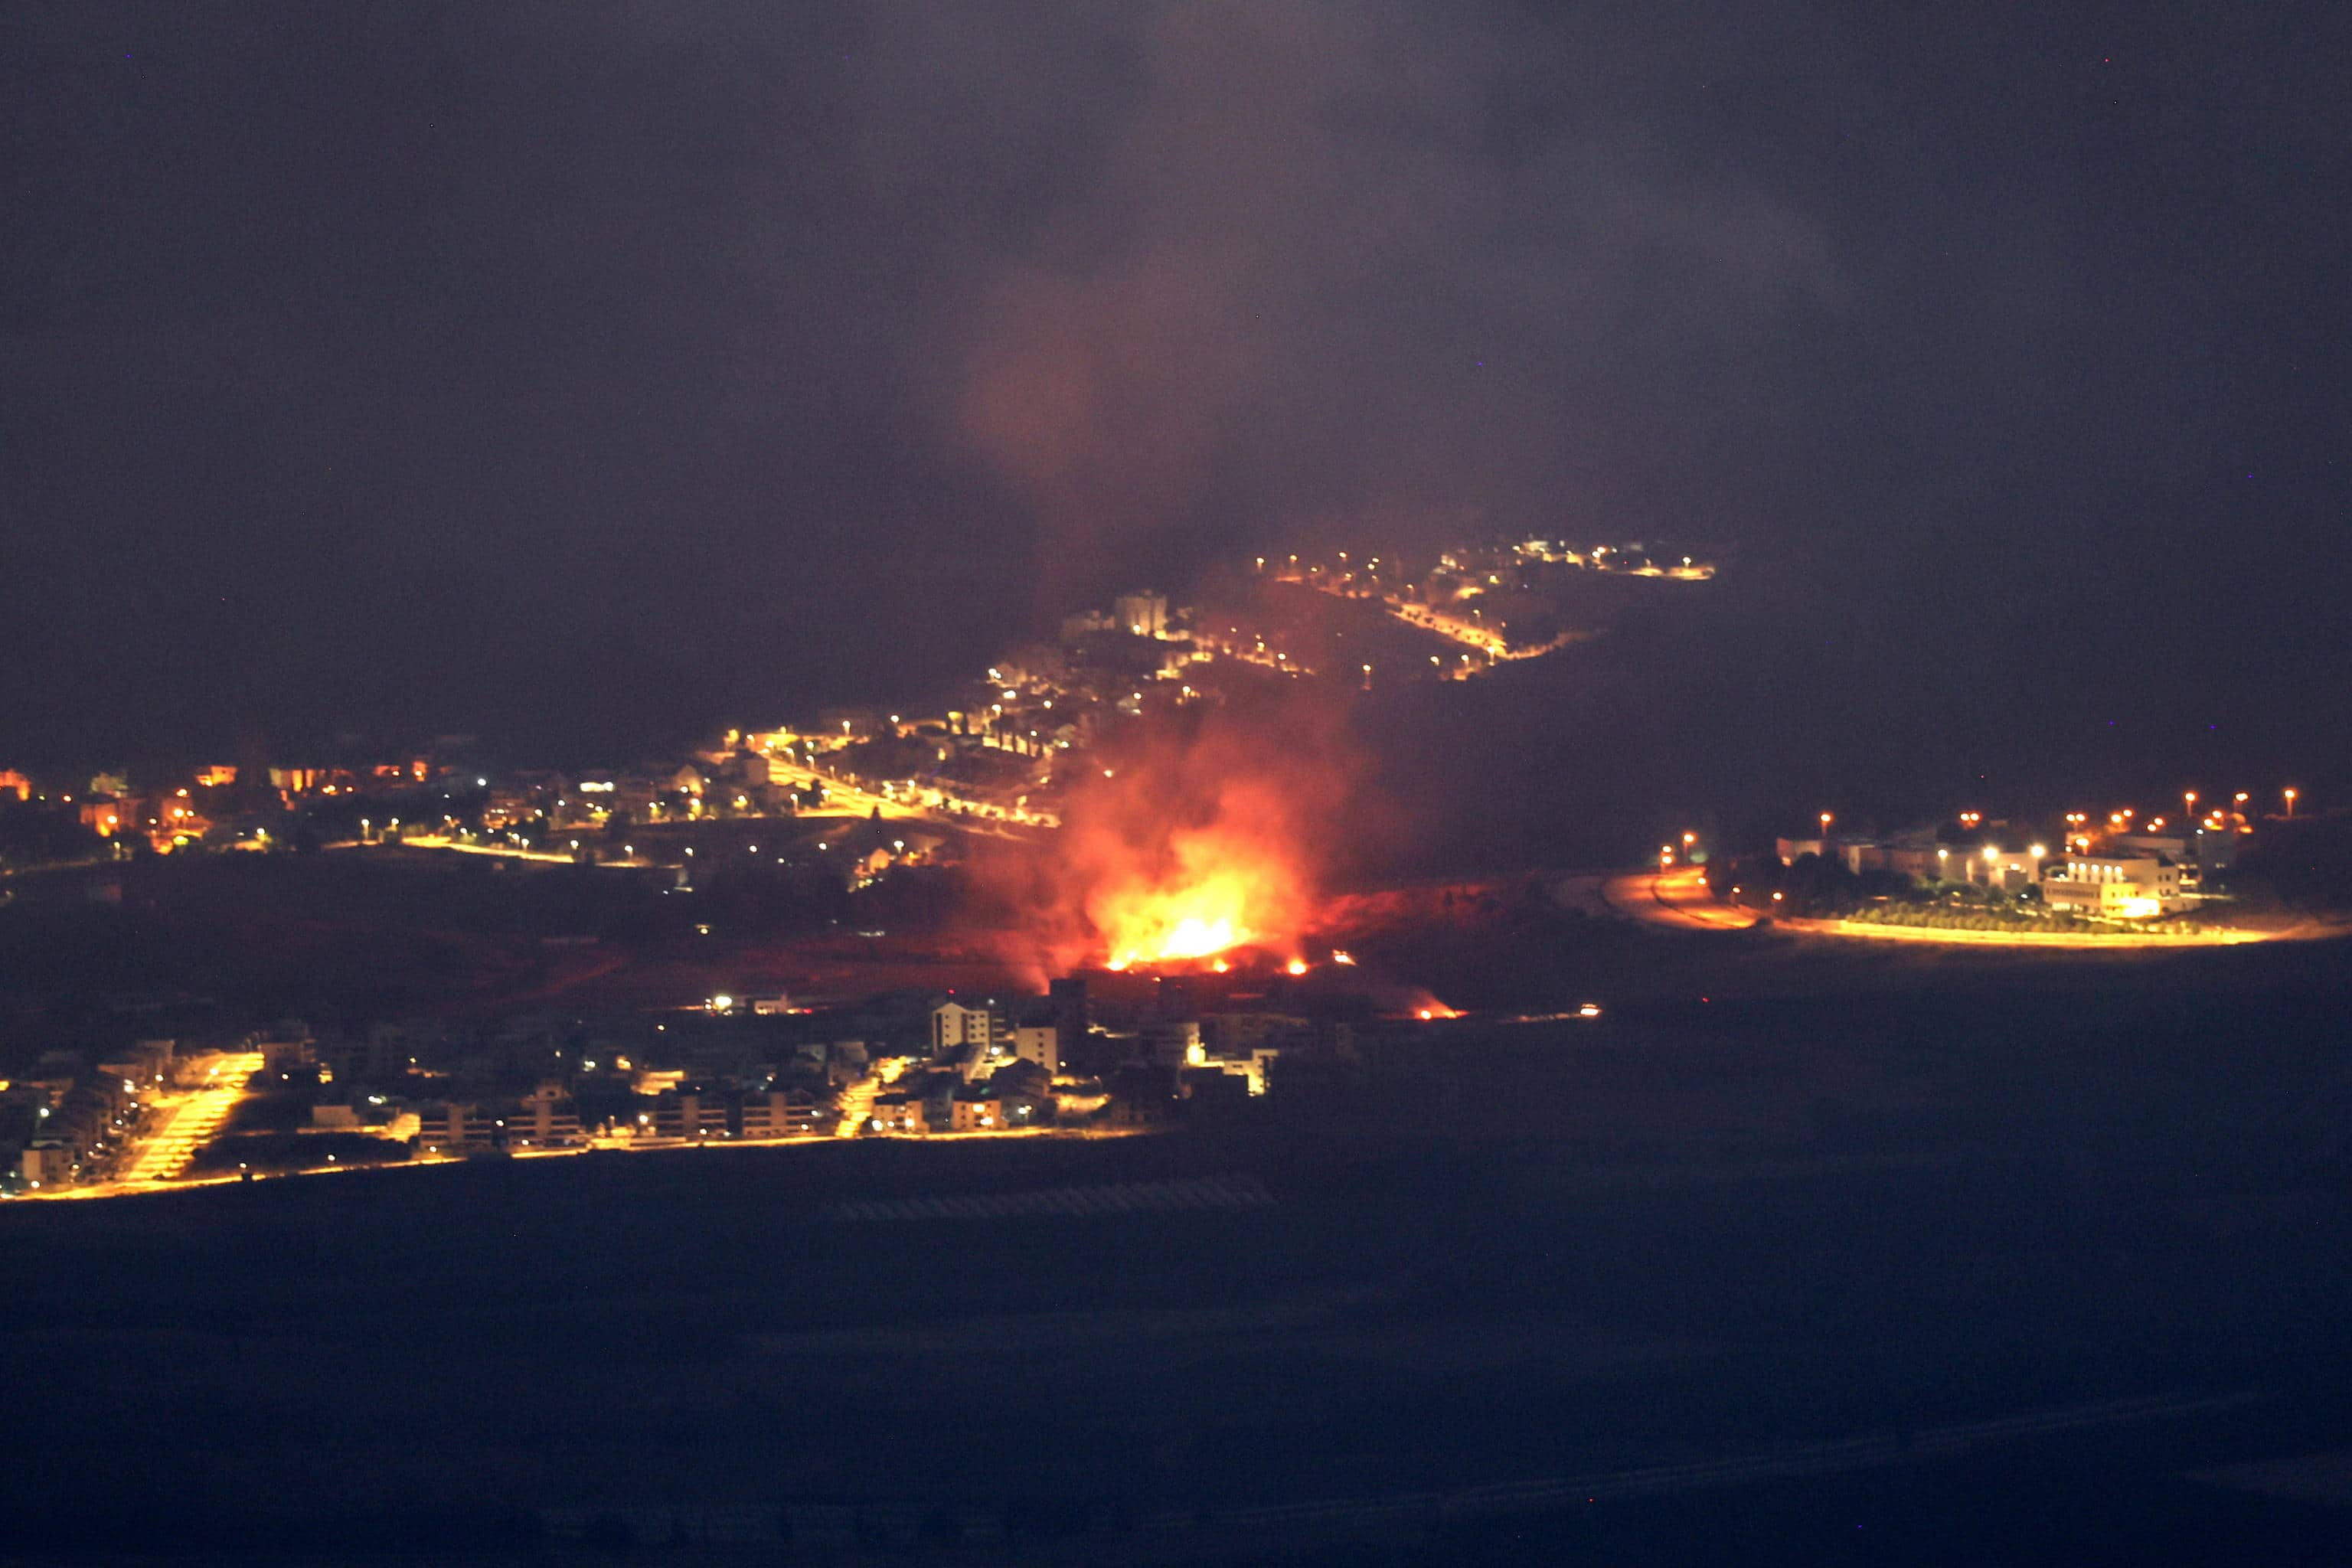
1190	841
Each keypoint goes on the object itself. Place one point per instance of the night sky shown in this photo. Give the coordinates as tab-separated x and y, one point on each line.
573	372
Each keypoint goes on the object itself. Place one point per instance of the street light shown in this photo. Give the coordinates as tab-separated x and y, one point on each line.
2290	803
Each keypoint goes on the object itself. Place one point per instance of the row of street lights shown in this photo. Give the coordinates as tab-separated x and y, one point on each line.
2116	819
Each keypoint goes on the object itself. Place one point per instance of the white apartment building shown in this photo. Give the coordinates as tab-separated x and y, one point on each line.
955	1026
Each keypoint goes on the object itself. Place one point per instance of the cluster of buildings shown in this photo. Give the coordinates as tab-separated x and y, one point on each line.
249	804
542	1083
1129	1060
988	758
68	1123
550	1119
1497	602
991	758
2124	866
731	1070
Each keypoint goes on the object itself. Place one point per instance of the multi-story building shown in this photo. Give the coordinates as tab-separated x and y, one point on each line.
1065	999
955	1025
44	1165
691	1114
1142	614
782	1114
1039	1043
1169	1042
706	1115
544	1119
975	1110
451	1127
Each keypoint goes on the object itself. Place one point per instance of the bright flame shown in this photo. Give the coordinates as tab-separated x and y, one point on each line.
1203	842
1191	890
1145	922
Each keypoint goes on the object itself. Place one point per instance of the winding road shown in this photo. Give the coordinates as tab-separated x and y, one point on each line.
1679	899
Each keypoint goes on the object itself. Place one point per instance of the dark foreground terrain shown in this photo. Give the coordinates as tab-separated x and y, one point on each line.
1974	1263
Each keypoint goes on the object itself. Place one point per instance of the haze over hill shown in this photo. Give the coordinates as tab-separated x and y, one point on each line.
673	366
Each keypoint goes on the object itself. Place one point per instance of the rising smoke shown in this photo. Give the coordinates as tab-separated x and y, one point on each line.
1360	264
1190	839
1379	270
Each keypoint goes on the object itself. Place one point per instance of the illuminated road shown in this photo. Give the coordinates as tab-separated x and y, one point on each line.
847	796
857	1098
1679	899
935	805
189	1122
504	852
1472	634
1469	634
2105	941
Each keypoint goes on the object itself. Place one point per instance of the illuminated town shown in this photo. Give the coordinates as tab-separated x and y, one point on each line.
1191	969
1197	931
1093	786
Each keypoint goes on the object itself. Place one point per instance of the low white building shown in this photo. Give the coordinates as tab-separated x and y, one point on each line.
1791	850
2121	886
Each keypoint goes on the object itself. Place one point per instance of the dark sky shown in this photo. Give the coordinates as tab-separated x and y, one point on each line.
571	372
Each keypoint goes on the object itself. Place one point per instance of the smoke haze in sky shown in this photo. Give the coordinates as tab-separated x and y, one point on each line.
581	374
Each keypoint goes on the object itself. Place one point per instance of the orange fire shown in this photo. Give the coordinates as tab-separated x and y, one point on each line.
1199	843
1191	849
1201	892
